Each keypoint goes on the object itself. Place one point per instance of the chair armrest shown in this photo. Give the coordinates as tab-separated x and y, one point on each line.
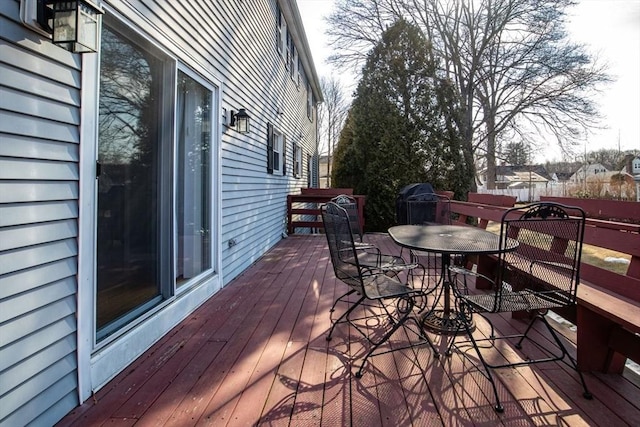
466	272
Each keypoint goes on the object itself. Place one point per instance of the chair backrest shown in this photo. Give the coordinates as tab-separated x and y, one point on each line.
547	259
351	206
428	208
341	245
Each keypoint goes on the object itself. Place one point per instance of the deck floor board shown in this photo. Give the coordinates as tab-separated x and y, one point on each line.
256	354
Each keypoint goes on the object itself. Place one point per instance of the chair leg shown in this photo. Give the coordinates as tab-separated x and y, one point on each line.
333	307
344	315
385	337
586	394
487	367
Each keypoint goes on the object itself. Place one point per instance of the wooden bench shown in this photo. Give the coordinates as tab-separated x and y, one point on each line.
607	313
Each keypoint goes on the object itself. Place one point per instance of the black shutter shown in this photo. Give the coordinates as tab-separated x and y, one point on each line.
269	148
284	155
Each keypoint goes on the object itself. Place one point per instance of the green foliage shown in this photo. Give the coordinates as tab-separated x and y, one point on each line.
402	127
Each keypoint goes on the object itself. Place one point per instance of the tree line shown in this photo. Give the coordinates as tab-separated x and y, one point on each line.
446	84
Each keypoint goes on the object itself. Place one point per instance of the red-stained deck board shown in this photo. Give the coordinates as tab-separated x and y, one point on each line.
256	354
236	331
222	404
261	380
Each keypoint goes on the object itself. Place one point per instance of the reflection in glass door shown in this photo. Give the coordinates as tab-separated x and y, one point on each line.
128	254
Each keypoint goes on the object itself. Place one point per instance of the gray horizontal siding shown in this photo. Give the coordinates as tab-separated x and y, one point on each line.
19	259
32	212
26	147
38	170
19	124
41	410
27	280
11	308
39	153
37	191
26	345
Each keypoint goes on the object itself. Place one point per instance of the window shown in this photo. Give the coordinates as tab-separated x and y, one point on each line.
290	53
297	161
309	102
131	138
293	60
276	148
281	31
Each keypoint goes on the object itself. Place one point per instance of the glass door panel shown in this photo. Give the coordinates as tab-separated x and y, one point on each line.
128	192
193	197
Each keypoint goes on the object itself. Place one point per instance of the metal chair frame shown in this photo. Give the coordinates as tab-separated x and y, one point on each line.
541	274
368	254
437	208
438	211
379	288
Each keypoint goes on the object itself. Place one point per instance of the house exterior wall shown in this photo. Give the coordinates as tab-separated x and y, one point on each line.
587	171
49	358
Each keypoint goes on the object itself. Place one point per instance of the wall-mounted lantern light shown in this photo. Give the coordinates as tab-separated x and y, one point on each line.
239	120
73	24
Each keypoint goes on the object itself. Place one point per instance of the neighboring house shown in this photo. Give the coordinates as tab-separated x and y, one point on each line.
127	199
518	177
632	165
324	171
589	172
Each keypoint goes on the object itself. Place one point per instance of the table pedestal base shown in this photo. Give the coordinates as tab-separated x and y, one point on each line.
444	323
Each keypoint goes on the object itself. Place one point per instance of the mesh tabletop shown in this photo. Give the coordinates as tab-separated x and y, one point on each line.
449	239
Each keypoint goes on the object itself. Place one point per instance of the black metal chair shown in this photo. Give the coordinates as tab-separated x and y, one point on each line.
368	254
351	206
380	292
541	274
428	208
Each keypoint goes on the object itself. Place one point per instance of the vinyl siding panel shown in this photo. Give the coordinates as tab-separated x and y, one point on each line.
27	345
33	212
25	147
39	140
26	280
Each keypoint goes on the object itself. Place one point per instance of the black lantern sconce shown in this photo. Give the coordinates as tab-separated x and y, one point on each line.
74	24
239	120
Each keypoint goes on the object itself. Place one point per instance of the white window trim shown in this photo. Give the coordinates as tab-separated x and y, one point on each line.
297	161
278	143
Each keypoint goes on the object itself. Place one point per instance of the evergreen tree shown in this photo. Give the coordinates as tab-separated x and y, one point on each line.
403	127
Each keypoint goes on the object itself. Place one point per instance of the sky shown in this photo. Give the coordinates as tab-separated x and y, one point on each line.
609	28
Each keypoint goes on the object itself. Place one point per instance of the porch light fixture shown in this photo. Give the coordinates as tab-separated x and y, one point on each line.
239	120
74	24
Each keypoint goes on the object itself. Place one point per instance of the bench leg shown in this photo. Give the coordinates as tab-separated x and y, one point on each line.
594	354
488	266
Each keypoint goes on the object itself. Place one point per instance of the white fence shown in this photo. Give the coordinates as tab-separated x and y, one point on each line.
524	195
566	189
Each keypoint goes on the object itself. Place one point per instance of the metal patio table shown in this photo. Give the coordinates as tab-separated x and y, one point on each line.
447	240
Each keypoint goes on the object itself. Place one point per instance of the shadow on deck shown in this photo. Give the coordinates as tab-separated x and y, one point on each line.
256	354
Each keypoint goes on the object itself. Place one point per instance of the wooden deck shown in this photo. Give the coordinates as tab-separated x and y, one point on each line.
256	354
